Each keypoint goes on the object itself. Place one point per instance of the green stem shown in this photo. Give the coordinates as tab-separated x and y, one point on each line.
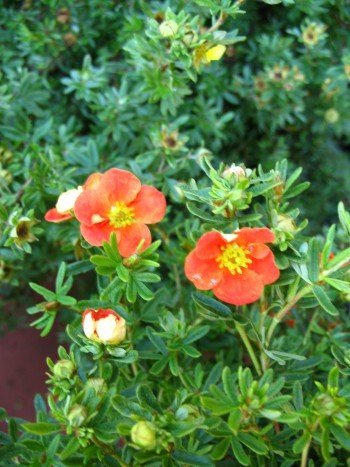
304	455
284	311
241	331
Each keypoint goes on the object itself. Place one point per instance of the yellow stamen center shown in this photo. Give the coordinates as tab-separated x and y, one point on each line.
121	215
234	258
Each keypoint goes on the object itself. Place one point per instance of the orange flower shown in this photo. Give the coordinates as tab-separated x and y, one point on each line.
64	206
235	266
117	202
104	325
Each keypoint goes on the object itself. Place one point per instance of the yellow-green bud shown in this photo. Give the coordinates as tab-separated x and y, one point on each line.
168	28
64	369
77	415
285	223
143	434
331	116
98	384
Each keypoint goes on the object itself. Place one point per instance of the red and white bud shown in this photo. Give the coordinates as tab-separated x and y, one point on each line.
67	199
104	325
64	206
234	170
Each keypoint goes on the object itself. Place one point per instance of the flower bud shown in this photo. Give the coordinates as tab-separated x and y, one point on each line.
63	16
77	415
64	206
285	223
143	434
331	116
234	170
6	176
104	325
64	369
190	37
69	39
67	199
98	384
168	28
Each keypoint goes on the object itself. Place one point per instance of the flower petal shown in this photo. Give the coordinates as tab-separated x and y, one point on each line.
209	245
97	233
130	237
204	273
119	185
266	268
149	205
89	326
259	250
92	181
89	204
255	235
239	289
53	215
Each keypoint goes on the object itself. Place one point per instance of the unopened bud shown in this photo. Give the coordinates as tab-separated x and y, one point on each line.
64	369
331	116
285	223
77	415
67	199
234	170
104	325
168	28
69	39
98	384
143	434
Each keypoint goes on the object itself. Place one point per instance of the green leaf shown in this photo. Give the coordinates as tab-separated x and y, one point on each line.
313	263
146	397
220	450
41	428
340	258
66	300
344	217
211	306
191	351
228	381
341	435
324	300
253	443
47	294
297	190
327	249
156	340
187	458
300	443
60	277
72	446
239	452
196	334
338	284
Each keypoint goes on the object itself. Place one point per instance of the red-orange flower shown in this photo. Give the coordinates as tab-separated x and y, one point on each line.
117	202
235	266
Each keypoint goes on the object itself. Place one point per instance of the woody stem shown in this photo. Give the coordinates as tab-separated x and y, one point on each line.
218	22
241	331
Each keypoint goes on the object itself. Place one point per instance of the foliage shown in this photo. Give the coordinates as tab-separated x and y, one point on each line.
205	100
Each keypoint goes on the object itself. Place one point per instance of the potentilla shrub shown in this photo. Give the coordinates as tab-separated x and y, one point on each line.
219	339
147	204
